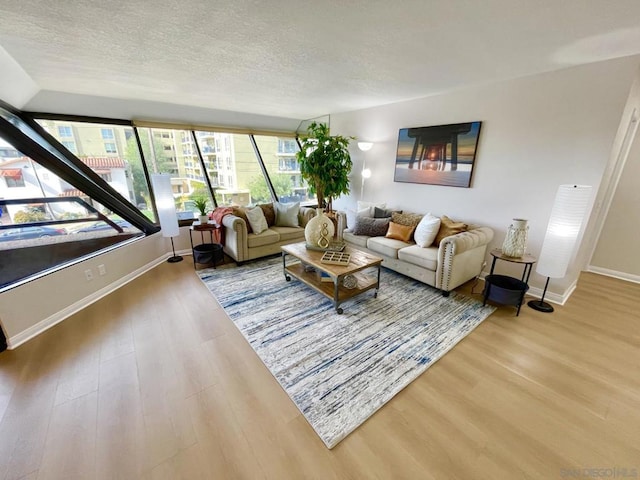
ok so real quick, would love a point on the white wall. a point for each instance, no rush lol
(31, 308)
(616, 252)
(538, 132)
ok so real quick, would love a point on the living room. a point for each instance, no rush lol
(539, 131)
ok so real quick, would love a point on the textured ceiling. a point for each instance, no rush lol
(304, 59)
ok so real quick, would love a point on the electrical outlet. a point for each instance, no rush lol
(102, 270)
(88, 274)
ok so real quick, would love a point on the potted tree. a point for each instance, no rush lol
(325, 164)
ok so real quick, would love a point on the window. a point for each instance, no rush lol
(187, 176)
(232, 165)
(106, 176)
(71, 146)
(64, 131)
(278, 155)
(62, 212)
(287, 146)
(12, 176)
(107, 133)
(125, 172)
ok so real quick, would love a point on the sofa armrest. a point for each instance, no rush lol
(235, 238)
(461, 242)
(306, 214)
(460, 257)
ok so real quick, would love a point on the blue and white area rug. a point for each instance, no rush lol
(340, 369)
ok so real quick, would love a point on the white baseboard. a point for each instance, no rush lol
(557, 298)
(38, 328)
(629, 277)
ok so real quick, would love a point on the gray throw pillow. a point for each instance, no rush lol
(287, 214)
(371, 227)
(384, 212)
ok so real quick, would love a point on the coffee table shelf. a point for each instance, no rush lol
(333, 290)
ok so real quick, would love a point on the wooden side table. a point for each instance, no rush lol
(507, 290)
(526, 260)
(206, 250)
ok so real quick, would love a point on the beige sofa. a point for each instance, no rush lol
(242, 246)
(458, 259)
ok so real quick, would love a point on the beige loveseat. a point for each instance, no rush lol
(242, 246)
(458, 259)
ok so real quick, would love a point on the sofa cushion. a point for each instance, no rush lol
(411, 219)
(289, 233)
(359, 240)
(267, 237)
(400, 232)
(372, 227)
(256, 219)
(241, 212)
(287, 214)
(449, 227)
(427, 230)
(417, 255)
(269, 213)
(384, 212)
(386, 246)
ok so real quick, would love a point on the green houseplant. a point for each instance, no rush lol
(201, 204)
(325, 164)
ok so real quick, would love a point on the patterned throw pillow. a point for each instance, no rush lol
(410, 219)
(256, 220)
(371, 227)
(400, 232)
(287, 214)
(449, 227)
(240, 212)
(269, 213)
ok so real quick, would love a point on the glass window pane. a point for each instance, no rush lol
(122, 171)
(31, 194)
(233, 168)
(279, 157)
(173, 152)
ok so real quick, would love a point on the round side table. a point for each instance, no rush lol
(504, 289)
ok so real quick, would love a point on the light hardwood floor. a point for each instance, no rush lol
(155, 382)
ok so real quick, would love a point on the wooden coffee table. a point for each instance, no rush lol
(333, 289)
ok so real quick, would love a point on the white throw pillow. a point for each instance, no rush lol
(363, 209)
(370, 205)
(257, 220)
(426, 230)
(286, 214)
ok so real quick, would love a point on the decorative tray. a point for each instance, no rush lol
(333, 247)
(336, 258)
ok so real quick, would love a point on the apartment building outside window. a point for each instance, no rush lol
(107, 133)
(70, 145)
(64, 131)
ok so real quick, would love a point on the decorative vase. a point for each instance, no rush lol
(515, 242)
(319, 230)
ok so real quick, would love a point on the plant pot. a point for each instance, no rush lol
(203, 219)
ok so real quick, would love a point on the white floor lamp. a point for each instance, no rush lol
(166, 206)
(559, 242)
(365, 173)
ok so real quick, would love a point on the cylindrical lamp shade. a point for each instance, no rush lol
(563, 229)
(165, 204)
